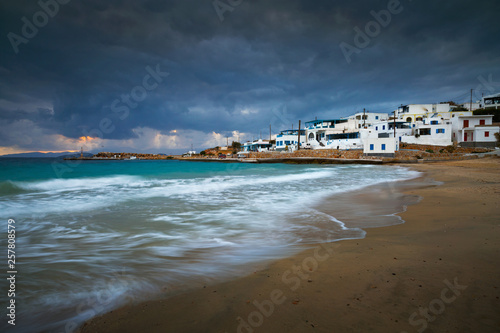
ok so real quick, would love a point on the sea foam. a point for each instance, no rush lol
(162, 225)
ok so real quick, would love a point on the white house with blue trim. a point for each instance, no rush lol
(365, 119)
(431, 131)
(332, 133)
(382, 147)
(257, 146)
(351, 133)
(288, 140)
(380, 139)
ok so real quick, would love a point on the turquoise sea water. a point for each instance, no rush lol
(93, 235)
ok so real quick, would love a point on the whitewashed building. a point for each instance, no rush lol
(430, 131)
(320, 132)
(468, 105)
(385, 129)
(189, 153)
(383, 147)
(417, 112)
(425, 124)
(365, 119)
(475, 131)
(343, 133)
(491, 101)
(380, 139)
(288, 140)
(351, 132)
(257, 146)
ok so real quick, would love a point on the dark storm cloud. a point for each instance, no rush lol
(234, 74)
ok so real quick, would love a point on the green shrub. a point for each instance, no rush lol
(429, 151)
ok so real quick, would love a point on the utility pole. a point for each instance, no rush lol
(270, 135)
(470, 109)
(364, 117)
(394, 124)
(298, 145)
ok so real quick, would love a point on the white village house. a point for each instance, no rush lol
(342, 133)
(491, 101)
(288, 140)
(417, 112)
(257, 146)
(378, 134)
(475, 131)
(443, 128)
(430, 131)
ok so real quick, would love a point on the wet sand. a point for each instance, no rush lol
(438, 272)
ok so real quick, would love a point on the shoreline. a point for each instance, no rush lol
(378, 282)
(297, 160)
(408, 154)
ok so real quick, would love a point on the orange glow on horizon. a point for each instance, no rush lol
(86, 138)
(9, 151)
(60, 151)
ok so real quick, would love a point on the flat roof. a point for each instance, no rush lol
(325, 120)
(492, 96)
(476, 116)
(294, 130)
(257, 143)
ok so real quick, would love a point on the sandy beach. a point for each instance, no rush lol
(438, 272)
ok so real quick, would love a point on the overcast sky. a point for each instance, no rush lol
(161, 75)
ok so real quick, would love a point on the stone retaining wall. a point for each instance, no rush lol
(410, 152)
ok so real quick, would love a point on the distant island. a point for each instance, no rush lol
(38, 154)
